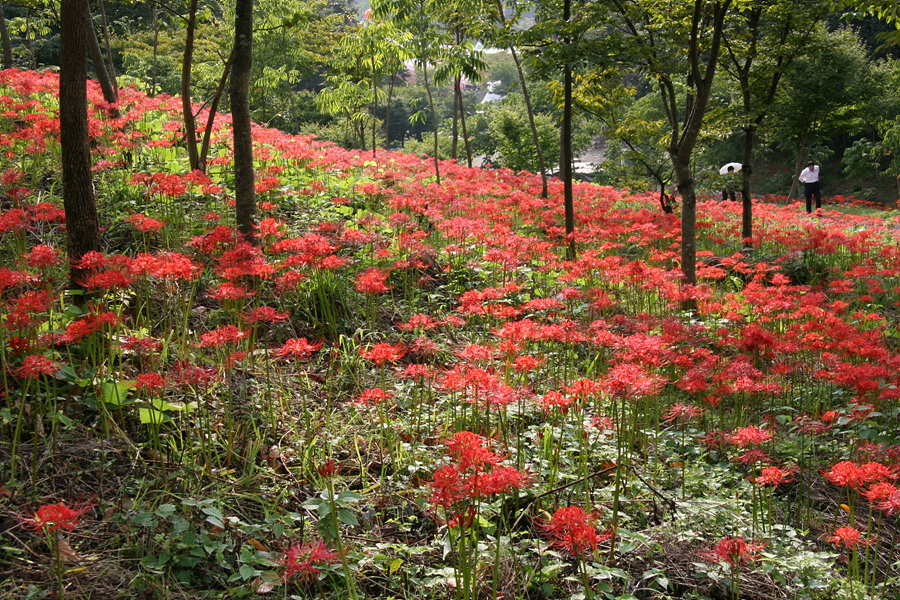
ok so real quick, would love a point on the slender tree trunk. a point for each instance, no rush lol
(112, 67)
(437, 168)
(565, 149)
(82, 225)
(109, 93)
(244, 188)
(746, 197)
(374, 107)
(5, 41)
(465, 133)
(798, 166)
(685, 183)
(387, 118)
(565, 162)
(454, 145)
(190, 128)
(155, 47)
(213, 108)
(528, 108)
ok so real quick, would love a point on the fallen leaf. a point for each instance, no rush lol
(263, 587)
(66, 553)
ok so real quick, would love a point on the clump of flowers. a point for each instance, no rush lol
(50, 519)
(573, 530)
(735, 551)
(303, 562)
(458, 490)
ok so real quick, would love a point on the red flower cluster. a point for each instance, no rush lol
(848, 537)
(475, 475)
(734, 551)
(571, 529)
(303, 561)
(51, 517)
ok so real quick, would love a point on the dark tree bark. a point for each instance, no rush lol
(82, 226)
(190, 128)
(244, 190)
(154, 16)
(528, 109)
(565, 149)
(109, 92)
(109, 56)
(684, 136)
(213, 109)
(5, 41)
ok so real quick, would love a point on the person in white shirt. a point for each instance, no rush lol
(810, 179)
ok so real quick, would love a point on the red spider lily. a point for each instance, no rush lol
(603, 423)
(734, 551)
(89, 324)
(571, 529)
(222, 335)
(880, 492)
(749, 436)
(418, 321)
(476, 475)
(303, 561)
(151, 382)
(147, 345)
(52, 517)
(891, 504)
(527, 363)
(632, 381)
(187, 374)
(847, 474)
(297, 348)
(230, 291)
(682, 412)
(42, 257)
(584, 389)
(329, 468)
(848, 537)
(416, 371)
(265, 314)
(772, 476)
(372, 281)
(753, 457)
(145, 224)
(382, 353)
(373, 396)
(35, 365)
(553, 399)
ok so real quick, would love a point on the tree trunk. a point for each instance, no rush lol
(112, 67)
(374, 107)
(437, 168)
(213, 108)
(155, 47)
(387, 117)
(528, 109)
(454, 144)
(465, 132)
(82, 226)
(4, 40)
(190, 129)
(746, 173)
(565, 150)
(109, 94)
(685, 183)
(798, 166)
(244, 188)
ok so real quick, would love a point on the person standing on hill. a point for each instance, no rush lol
(728, 190)
(810, 179)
